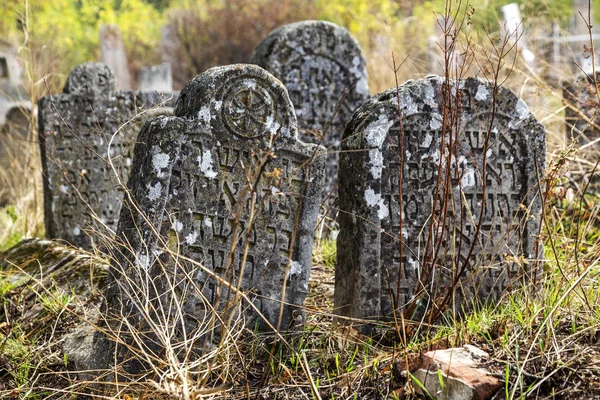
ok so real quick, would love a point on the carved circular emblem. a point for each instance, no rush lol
(249, 108)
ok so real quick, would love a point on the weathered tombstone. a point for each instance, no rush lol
(469, 199)
(582, 126)
(227, 184)
(317, 61)
(156, 77)
(112, 53)
(81, 131)
(581, 117)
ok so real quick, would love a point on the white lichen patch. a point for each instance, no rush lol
(204, 114)
(376, 163)
(295, 268)
(468, 179)
(521, 109)
(177, 226)
(375, 200)
(408, 155)
(207, 222)
(436, 121)
(154, 191)
(412, 264)
(429, 96)
(409, 107)
(191, 238)
(482, 93)
(251, 84)
(64, 188)
(427, 140)
(376, 131)
(160, 161)
(217, 105)
(205, 163)
(272, 125)
(142, 260)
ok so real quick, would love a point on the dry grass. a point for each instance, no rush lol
(543, 346)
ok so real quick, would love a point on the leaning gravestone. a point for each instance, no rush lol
(317, 61)
(227, 184)
(80, 131)
(469, 198)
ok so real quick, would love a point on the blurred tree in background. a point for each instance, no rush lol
(59, 34)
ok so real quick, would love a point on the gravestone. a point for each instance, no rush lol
(469, 198)
(156, 78)
(227, 184)
(317, 61)
(582, 127)
(581, 99)
(112, 53)
(80, 131)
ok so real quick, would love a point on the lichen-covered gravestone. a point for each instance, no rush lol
(81, 131)
(317, 61)
(227, 184)
(469, 200)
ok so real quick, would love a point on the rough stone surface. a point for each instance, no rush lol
(156, 77)
(190, 180)
(112, 53)
(438, 227)
(462, 375)
(80, 130)
(317, 61)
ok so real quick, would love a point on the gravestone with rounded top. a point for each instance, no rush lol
(227, 187)
(440, 200)
(86, 136)
(324, 71)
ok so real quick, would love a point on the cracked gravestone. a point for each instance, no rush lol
(223, 192)
(82, 131)
(469, 200)
(317, 61)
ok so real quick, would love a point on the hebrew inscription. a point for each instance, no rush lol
(225, 183)
(87, 135)
(448, 207)
(324, 71)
